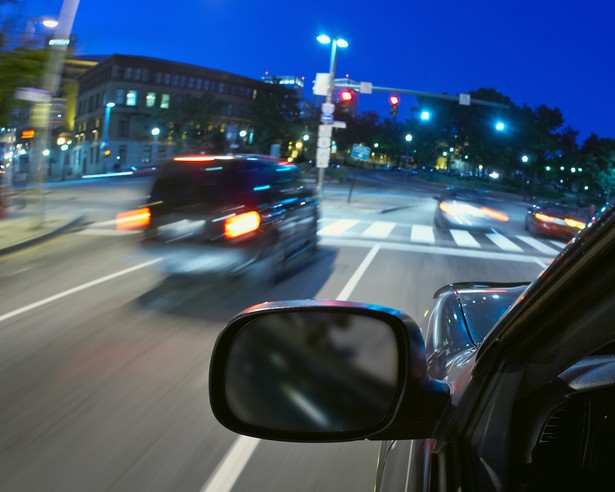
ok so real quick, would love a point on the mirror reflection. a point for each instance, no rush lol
(312, 372)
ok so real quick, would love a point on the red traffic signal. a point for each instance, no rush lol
(346, 96)
(394, 100)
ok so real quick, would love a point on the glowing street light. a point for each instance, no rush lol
(408, 138)
(425, 115)
(243, 134)
(499, 126)
(155, 133)
(525, 159)
(306, 137)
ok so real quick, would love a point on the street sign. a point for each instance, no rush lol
(464, 99)
(321, 84)
(324, 142)
(328, 108)
(325, 131)
(32, 95)
(326, 118)
(365, 87)
(322, 157)
(360, 152)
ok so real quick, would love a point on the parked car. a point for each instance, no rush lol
(227, 215)
(463, 208)
(554, 219)
(514, 388)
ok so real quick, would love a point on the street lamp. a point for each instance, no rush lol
(155, 133)
(408, 138)
(105, 136)
(499, 126)
(335, 43)
(525, 159)
(425, 115)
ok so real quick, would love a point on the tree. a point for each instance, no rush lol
(275, 116)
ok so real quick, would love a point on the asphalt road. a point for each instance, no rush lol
(104, 361)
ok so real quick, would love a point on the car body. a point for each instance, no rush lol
(229, 214)
(506, 387)
(463, 208)
(556, 220)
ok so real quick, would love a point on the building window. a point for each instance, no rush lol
(147, 153)
(162, 152)
(182, 81)
(97, 154)
(221, 87)
(158, 78)
(123, 128)
(127, 73)
(190, 82)
(97, 103)
(122, 151)
(199, 84)
(150, 99)
(175, 80)
(167, 78)
(206, 85)
(131, 98)
(120, 94)
(229, 109)
(164, 101)
(137, 75)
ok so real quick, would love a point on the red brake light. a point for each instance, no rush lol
(133, 219)
(241, 224)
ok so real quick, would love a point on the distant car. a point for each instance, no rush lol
(550, 219)
(228, 215)
(462, 208)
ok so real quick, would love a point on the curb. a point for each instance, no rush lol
(58, 231)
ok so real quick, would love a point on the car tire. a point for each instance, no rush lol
(313, 242)
(439, 223)
(268, 270)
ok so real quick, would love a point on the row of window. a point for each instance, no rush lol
(188, 82)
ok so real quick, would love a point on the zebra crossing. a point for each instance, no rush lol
(429, 235)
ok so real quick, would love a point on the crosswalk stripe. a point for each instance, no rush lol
(535, 243)
(464, 239)
(503, 242)
(338, 227)
(559, 244)
(379, 230)
(422, 234)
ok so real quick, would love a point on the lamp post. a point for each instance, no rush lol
(524, 159)
(155, 133)
(408, 139)
(105, 136)
(335, 43)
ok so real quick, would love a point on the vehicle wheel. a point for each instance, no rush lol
(439, 223)
(313, 242)
(270, 268)
(531, 228)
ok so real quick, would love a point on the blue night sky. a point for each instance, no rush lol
(556, 52)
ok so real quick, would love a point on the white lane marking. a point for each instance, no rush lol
(228, 470)
(464, 239)
(535, 243)
(105, 232)
(74, 290)
(338, 227)
(354, 280)
(379, 230)
(503, 242)
(409, 465)
(559, 244)
(422, 234)
(434, 250)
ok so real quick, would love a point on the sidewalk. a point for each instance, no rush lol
(19, 228)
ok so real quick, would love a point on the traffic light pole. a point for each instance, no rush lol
(331, 86)
(425, 94)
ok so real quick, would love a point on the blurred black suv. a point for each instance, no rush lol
(229, 215)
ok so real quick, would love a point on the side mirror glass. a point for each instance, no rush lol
(312, 372)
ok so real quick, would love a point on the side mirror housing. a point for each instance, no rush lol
(323, 371)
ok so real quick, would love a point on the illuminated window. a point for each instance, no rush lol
(131, 98)
(164, 101)
(150, 99)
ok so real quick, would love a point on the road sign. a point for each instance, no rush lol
(321, 84)
(365, 87)
(32, 95)
(328, 108)
(324, 142)
(322, 157)
(325, 131)
(326, 118)
(464, 99)
(360, 152)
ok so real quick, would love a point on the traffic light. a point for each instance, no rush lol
(394, 101)
(346, 98)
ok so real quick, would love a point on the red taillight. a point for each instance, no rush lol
(133, 219)
(241, 224)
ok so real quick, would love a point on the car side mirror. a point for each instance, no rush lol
(321, 371)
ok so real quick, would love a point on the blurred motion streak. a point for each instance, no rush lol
(241, 224)
(133, 219)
